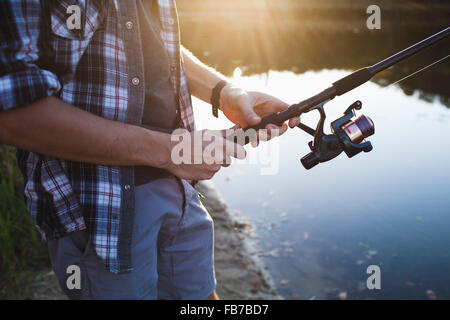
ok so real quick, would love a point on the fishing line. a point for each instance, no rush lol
(430, 65)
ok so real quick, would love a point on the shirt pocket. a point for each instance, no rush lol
(69, 43)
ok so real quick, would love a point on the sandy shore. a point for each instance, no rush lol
(239, 275)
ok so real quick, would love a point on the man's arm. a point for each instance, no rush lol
(239, 106)
(55, 128)
(201, 78)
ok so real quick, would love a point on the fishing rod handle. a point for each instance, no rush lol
(279, 118)
(245, 135)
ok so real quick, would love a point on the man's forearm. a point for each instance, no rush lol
(55, 128)
(201, 78)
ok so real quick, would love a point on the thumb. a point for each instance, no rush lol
(250, 117)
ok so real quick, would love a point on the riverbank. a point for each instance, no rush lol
(239, 275)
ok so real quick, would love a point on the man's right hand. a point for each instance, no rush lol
(199, 155)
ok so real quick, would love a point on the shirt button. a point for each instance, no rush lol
(129, 25)
(171, 21)
(173, 69)
(127, 187)
(135, 81)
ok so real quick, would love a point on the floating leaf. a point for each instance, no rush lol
(364, 245)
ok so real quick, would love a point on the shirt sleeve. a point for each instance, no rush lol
(22, 81)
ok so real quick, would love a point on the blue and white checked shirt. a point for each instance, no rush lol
(98, 68)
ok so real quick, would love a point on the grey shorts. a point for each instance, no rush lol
(172, 250)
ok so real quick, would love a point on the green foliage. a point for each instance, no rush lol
(21, 252)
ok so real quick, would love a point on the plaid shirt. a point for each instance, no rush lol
(97, 68)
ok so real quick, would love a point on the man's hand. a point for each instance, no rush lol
(199, 155)
(248, 107)
(242, 107)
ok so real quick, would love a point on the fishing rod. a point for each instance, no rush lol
(347, 134)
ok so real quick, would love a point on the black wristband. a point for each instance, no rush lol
(215, 97)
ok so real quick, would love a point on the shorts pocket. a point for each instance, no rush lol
(82, 240)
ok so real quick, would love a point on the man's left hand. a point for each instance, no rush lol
(246, 108)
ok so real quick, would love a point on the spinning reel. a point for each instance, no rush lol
(347, 135)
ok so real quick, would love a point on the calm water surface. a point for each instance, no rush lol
(318, 230)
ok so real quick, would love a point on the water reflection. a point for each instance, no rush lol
(261, 44)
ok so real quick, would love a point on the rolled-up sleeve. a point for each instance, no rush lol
(22, 81)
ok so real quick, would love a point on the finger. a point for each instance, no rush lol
(284, 128)
(275, 131)
(255, 143)
(293, 122)
(263, 134)
(278, 131)
(227, 162)
(234, 150)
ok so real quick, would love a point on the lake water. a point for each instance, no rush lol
(318, 230)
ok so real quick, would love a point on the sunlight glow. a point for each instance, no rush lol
(237, 74)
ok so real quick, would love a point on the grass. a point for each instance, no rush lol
(21, 252)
